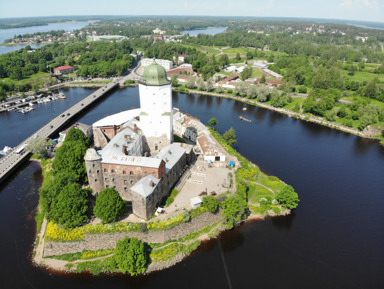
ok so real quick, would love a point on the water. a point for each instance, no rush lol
(333, 240)
(209, 31)
(10, 33)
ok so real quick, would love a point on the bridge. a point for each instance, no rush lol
(10, 162)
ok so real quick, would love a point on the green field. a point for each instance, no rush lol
(361, 76)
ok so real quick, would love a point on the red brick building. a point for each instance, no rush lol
(63, 69)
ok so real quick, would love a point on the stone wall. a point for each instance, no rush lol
(108, 241)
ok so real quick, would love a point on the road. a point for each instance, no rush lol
(13, 159)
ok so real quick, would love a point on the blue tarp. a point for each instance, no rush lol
(232, 164)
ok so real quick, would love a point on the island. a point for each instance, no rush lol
(148, 187)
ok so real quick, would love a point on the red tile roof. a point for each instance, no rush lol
(65, 67)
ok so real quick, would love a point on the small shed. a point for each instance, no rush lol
(196, 202)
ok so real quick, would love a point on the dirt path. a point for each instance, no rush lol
(269, 189)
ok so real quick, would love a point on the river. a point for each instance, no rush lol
(209, 31)
(333, 240)
(10, 33)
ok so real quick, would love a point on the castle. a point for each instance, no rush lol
(138, 157)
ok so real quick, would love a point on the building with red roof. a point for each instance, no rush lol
(63, 69)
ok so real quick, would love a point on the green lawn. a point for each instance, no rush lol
(361, 76)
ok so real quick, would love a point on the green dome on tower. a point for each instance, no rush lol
(155, 74)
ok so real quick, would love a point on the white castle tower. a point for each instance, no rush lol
(156, 117)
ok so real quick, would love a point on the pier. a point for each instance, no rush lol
(10, 162)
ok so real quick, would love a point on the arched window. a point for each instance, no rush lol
(125, 189)
(95, 180)
(105, 171)
(131, 173)
(132, 182)
(124, 172)
(112, 171)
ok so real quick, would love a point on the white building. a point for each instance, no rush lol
(167, 64)
(156, 112)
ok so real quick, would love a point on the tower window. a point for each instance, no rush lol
(95, 180)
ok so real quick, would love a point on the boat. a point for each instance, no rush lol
(11, 108)
(30, 104)
(244, 108)
(6, 150)
(61, 96)
(243, 118)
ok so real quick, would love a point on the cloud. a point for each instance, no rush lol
(356, 4)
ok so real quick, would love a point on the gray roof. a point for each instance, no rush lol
(92, 155)
(143, 186)
(171, 154)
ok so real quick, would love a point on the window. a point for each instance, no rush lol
(131, 173)
(114, 187)
(97, 171)
(106, 179)
(113, 180)
(95, 180)
(90, 171)
(125, 189)
(105, 171)
(124, 172)
(93, 165)
(107, 186)
(125, 181)
(132, 182)
(112, 171)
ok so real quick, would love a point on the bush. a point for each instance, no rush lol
(131, 256)
(276, 210)
(210, 203)
(109, 206)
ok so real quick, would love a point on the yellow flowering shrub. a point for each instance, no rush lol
(165, 223)
(56, 233)
(166, 253)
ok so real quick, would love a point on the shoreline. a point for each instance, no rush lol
(290, 113)
(189, 235)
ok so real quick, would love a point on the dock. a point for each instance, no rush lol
(10, 162)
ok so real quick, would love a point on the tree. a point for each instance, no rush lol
(39, 146)
(70, 158)
(210, 84)
(200, 84)
(51, 190)
(263, 93)
(246, 73)
(223, 60)
(249, 55)
(241, 88)
(131, 256)
(234, 210)
(213, 122)
(230, 137)
(238, 56)
(190, 82)
(288, 198)
(109, 205)
(174, 79)
(76, 135)
(71, 208)
(262, 79)
(210, 202)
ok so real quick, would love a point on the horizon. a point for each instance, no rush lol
(342, 10)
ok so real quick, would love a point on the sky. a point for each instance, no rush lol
(365, 10)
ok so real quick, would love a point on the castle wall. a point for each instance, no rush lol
(122, 177)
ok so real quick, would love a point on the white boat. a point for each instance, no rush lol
(31, 104)
(6, 150)
(11, 108)
(61, 96)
